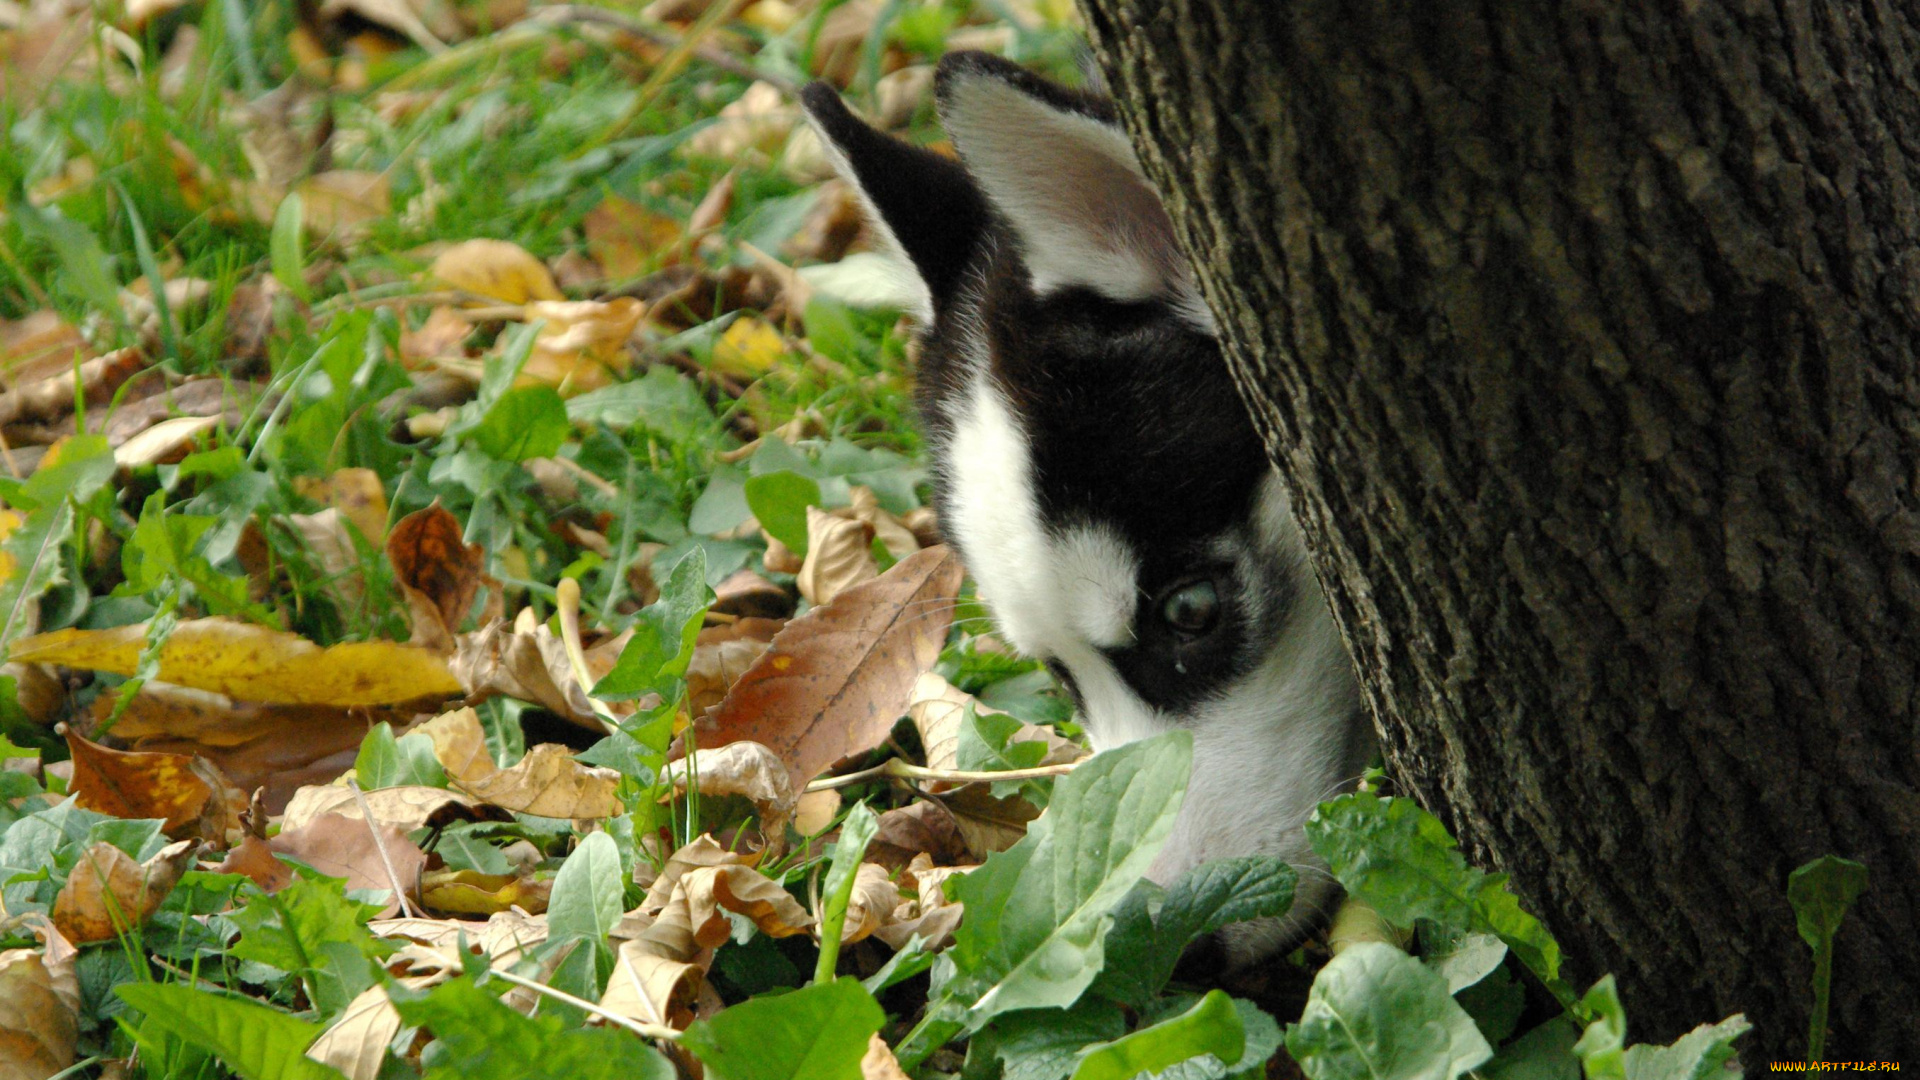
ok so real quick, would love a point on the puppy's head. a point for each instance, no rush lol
(1096, 468)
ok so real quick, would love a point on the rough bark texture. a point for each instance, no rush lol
(1585, 335)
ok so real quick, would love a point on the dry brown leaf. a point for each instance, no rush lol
(987, 823)
(39, 345)
(704, 851)
(504, 937)
(188, 793)
(939, 709)
(837, 677)
(879, 1063)
(39, 1015)
(628, 239)
(752, 599)
(108, 893)
(529, 662)
(470, 892)
(721, 655)
(650, 988)
(438, 571)
(547, 782)
(497, 269)
(816, 812)
(871, 905)
(406, 808)
(340, 846)
(440, 337)
(343, 202)
(743, 891)
(359, 496)
(892, 532)
(356, 1042)
(255, 663)
(743, 768)
(922, 828)
(760, 119)
(430, 24)
(582, 344)
(52, 396)
(254, 857)
(275, 747)
(935, 927)
(165, 443)
(839, 556)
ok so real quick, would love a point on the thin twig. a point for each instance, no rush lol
(638, 1027)
(897, 769)
(373, 829)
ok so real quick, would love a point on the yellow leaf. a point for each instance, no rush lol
(254, 663)
(497, 269)
(748, 349)
(628, 239)
(343, 201)
(582, 343)
(547, 782)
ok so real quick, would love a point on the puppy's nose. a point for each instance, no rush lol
(1203, 961)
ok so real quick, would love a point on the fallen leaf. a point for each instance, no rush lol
(547, 782)
(108, 893)
(429, 24)
(702, 852)
(357, 493)
(164, 443)
(440, 337)
(650, 988)
(939, 709)
(582, 344)
(721, 654)
(759, 119)
(871, 905)
(254, 857)
(816, 811)
(504, 938)
(925, 828)
(52, 396)
(747, 349)
(470, 892)
(340, 204)
(438, 571)
(187, 793)
(838, 677)
(935, 928)
(497, 269)
(879, 1063)
(39, 1015)
(628, 239)
(340, 846)
(750, 597)
(531, 664)
(987, 823)
(407, 807)
(355, 1043)
(255, 663)
(839, 556)
(746, 769)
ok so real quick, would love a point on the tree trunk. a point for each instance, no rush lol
(1584, 333)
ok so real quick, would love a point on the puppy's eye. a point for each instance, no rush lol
(1192, 608)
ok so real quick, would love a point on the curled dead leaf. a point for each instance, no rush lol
(470, 892)
(188, 793)
(255, 663)
(878, 1063)
(355, 1043)
(438, 571)
(525, 660)
(872, 903)
(497, 269)
(582, 344)
(547, 782)
(721, 655)
(836, 678)
(650, 988)
(939, 709)
(407, 807)
(839, 556)
(340, 846)
(743, 768)
(39, 1014)
(108, 893)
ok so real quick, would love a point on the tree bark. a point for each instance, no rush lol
(1584, 334)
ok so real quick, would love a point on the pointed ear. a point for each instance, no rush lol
(923, 207)
(1057, 166)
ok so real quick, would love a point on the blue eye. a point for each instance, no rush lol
(1192, 608)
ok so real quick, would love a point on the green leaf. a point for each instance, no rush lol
(31, 565)
(722, 507)
(1495, 1003)
(1144, 945)
(779, 501)
(82, 465)
(83, 262)
(1211, 1027)
(1378, 1013)
(848, 850)
(1821, 892)
(384, 761)
(286, 247)
(312, 929)
(1602, 1046)
(655, 658)
(481, 1039)
(1700, 1054)
(1463, 959)
(1045, 1044)
(816, 1033)
(257, 1042)
(1498, 912)
(663, 399)
(1037, 913)
(527, 422)
(588, 891)
(830, 330)
(1545, 1053)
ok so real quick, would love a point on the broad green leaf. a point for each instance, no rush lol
(385, 761)
(1700, 1054)
(1602, 1046)
(1545, 1053)
(257, 1042)
(1396, 857)
(481, 1039)
(1376, 1012)
(855, 832)
(1821, 892)
(286, 246)
(779, 501)
(819, 1032)
(830, 330)
(588, 891)
(311, 929)
(663, 399)
(1210, 1027)
(1495, 1002)
(83, 262)
(722, 507)
(527, 422)
(1045, 1044)
(1463, 959)
(1037, 912)
(75, 469)
(663, 638)
(1498, 912)
(30, 564)
(1145, 944)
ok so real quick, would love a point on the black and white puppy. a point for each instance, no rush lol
(1096, 469)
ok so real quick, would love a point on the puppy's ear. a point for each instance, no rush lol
(1057, 166)
(923, 207)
